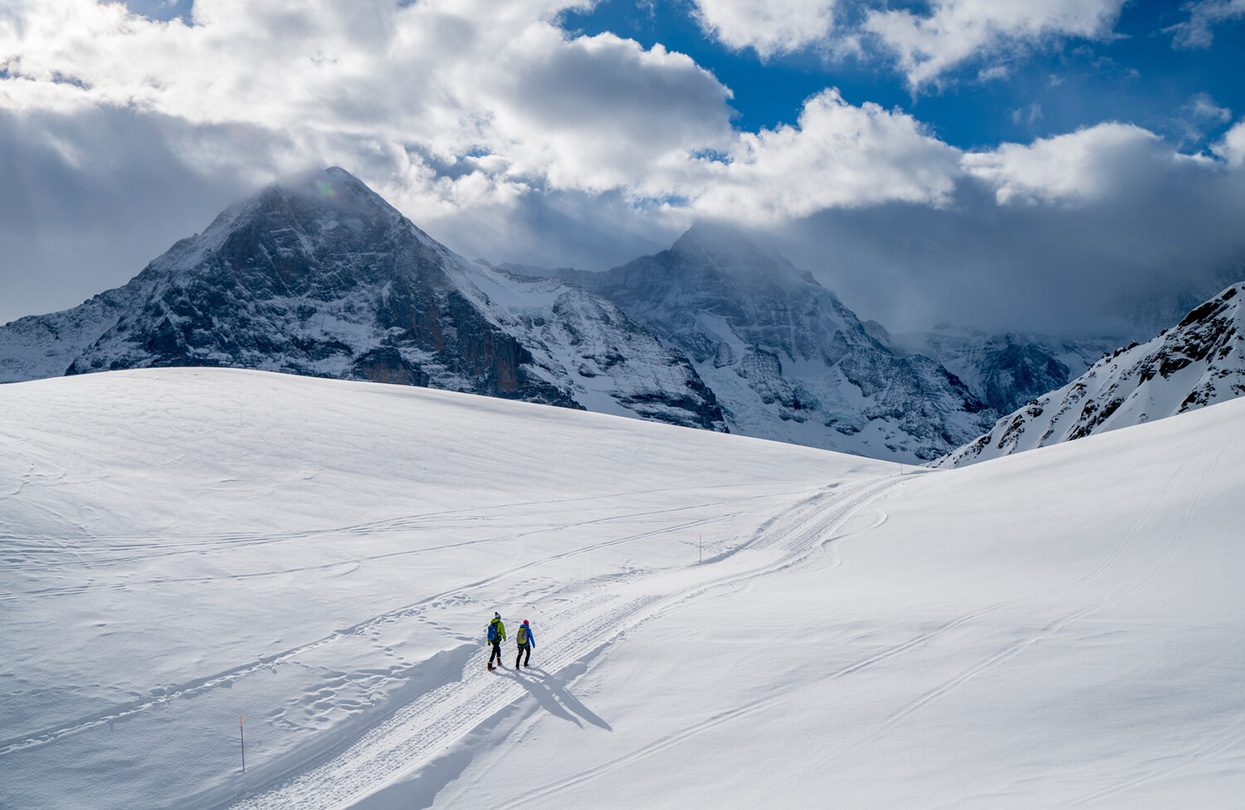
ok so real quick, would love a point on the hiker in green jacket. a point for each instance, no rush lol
(496, 635)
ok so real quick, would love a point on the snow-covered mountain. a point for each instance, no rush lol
(586, 346)
(1198, 362)
(785, 357)
(320, 276)
(1008, 370)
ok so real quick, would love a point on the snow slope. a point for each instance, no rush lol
(180, 547)
(183, 546)
(1198, 362)
(1059, 629)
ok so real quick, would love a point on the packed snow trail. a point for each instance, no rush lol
(425, 728)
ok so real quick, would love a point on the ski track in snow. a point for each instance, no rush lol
(198, 686)
(425, 728)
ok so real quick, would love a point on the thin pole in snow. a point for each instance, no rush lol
(242, 740)
(700, 547)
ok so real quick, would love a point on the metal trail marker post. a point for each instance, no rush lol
(242, 740)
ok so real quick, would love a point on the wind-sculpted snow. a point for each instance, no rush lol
(1197, 363)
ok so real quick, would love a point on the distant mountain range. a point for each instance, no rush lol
(318, 275)
(1198, 362)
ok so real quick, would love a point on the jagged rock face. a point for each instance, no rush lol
(320, 276)
(1197, 363)
(1017, 371)
(784, 356)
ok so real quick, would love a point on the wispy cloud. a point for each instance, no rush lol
(1204, 15)
(954, 31)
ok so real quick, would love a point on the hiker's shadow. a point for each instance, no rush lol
(551, 692)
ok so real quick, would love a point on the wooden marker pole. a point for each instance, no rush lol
(242, 740)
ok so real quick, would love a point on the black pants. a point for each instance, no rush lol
(496, 653)
(523, 648)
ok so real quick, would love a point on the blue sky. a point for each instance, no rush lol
(963, 160)
(1136, 77)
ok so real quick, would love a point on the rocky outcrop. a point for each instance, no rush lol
(1197, 363)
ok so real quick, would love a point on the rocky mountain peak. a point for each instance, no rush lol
(328, 204)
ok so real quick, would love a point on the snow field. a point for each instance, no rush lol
(207, 544)
(1059, 628)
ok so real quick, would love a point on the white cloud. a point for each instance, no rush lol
(600, 113)
(510, 138)
(454, 104)
(1232, 147)
(450, 77)
(1204, 15)
(769, 27)
(1087, 165)
(838, 155)
(1050, 234)
(955, 31)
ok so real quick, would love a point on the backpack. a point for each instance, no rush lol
(521, 638)
(492, 632)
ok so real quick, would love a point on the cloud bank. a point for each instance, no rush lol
(509, 138)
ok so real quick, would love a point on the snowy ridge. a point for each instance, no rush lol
(588, 347)
(1197, 363)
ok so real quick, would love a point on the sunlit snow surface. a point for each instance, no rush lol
(182, 547)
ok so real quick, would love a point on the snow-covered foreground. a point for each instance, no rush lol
(181, 547)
